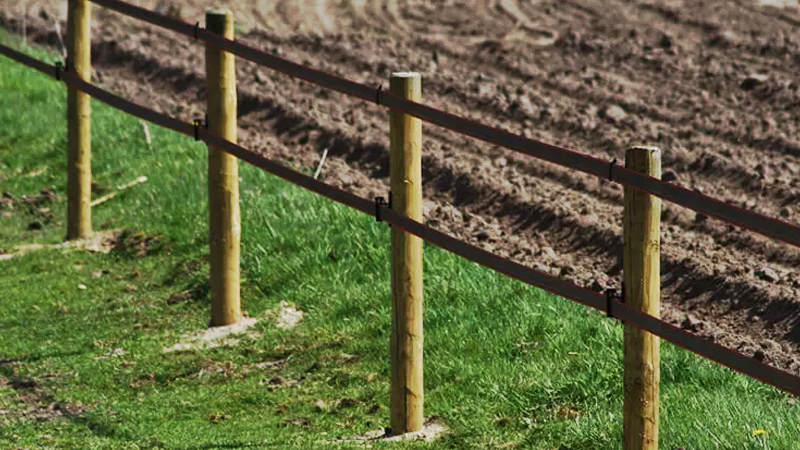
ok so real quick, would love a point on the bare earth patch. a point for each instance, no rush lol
(215, 336)
(31, 403)
(434, 428)
(288, 316)
(100, 241)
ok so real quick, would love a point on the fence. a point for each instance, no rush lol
(637, 307)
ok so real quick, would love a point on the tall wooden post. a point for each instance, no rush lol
(223, 176)
(406, 198)
(79, 125)
(643, 293)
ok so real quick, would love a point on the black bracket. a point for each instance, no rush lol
(611, 295)
(199, 123)
(378, 95)
(611, 169)
(380, 202)
(59, 70)
(196, 29)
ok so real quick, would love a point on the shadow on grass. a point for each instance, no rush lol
(109, 431)
(230, 445)
(4, 362)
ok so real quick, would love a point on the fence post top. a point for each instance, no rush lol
(219, 12)
(645, 148)
(218, 18)
(406, 75)
(220, 21)
(644, 159)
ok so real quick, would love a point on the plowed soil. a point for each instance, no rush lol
(712, 83)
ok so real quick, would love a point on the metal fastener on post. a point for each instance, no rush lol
(611, 295)
(380, 202)
(198, 125)
(59, 70)
(611, 169)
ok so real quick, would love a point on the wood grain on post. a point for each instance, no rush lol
(223, 176)
(406, 198)
(79, 125)
(642, 271)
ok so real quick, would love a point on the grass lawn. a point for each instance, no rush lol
(82, 334)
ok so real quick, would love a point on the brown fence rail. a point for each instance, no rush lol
(637, 181)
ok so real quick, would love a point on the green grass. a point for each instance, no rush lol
(506, 366)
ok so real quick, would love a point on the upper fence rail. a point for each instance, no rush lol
(770, 375)
(709, 206)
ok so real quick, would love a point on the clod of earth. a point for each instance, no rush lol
(753, 81)
(271, 364)
(217, 418)
(277, 382)
(301, 422)
(136, 244)
(100, 241)
(45, 196)
(117, 352)
(768, 274)
(346, 402)
(691, 323)
(614, 113)
(669, 175)
(567, 412)
(288, 316)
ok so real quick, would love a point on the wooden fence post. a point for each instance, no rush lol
(406, 198)
(79, 124)
(642, 292)
(223, 176)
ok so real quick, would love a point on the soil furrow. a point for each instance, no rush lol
(713, 170)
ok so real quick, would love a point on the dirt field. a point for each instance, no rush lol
(712, 83)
